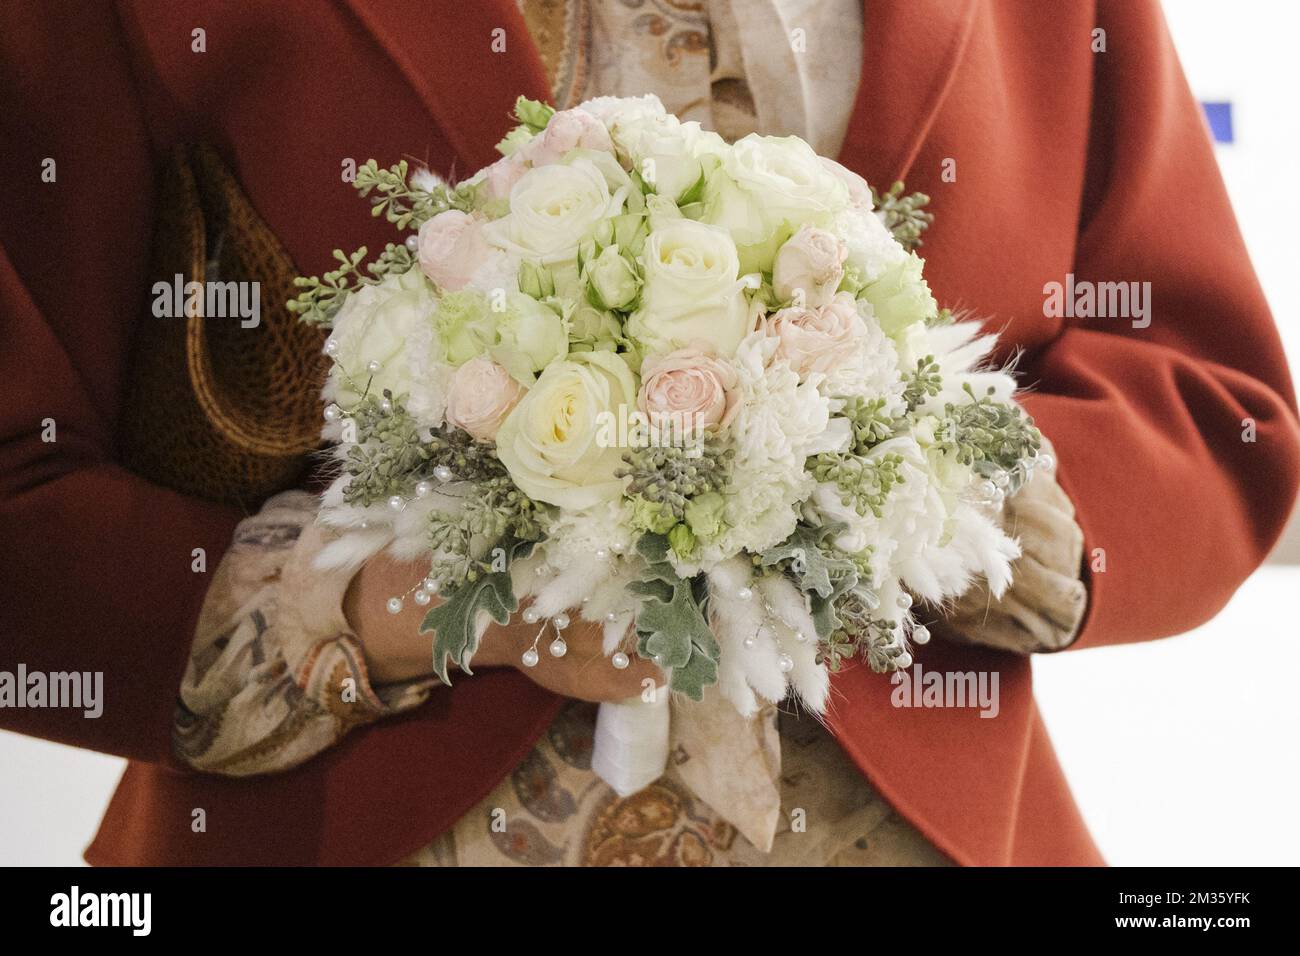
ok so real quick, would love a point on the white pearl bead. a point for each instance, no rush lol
(372, 367)
(745, 593)
(396, 502)
(431, 585)
(561, 621)
(332, 413)
(422, 489)
(1001, 480)
(394, 605)
(904, 661)
(1045, 461)
(530, 658)
(331, 346)
(620, 661)
(611, 617)
(413, 242)
(385, 406)
(531, 616)
(618, 547)
(801, 637)
(601, 554)
(921, 634)
(786, 663)
(559, 648)
(442, 473)
(749, 641)
(904, 600)
(422, 597)
(985, 489)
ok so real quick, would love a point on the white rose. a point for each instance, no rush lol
(692, 295)
(551, 443)
(613, 109)
(768, 186)
(372, 330)
(552, 210)
(666, 152)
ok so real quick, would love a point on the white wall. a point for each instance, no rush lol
(1175, 756)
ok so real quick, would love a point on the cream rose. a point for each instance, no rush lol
(666, 152)
(452, 248)
(687, 391)
(810, 266)
(482, 395)
(692, 295)
(550, 442)
(374, 335)
(552, 210)
(766, 185)
(817, 340)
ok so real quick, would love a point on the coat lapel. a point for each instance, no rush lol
(911, 52)
(452, 57)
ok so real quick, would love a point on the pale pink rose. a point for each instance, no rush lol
(687, 390)
(812, 260)
(817, 340)
(482, 395)
(501, 176)
(567, 130)
(859, 191)
(452, 248)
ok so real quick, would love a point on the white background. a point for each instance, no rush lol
(1180, 751)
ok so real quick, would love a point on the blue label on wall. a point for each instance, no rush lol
(1219, 116)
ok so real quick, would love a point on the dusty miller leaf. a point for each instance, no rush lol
(453, 621)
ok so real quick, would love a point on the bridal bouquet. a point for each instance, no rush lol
(699, 393)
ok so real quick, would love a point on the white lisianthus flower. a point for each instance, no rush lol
(692, 294)
(901, 296)
(529, 337)
(765, 188)
(552, 210)
(553, 442)
(377, 325)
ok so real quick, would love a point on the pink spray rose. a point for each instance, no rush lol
(811, 260)
(452, 248)
(687, 390)
(568, 129)
(817, 340)
(482, 395)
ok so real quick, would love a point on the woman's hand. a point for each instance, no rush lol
(397, 651)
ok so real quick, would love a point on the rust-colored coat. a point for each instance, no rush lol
(1067, 161)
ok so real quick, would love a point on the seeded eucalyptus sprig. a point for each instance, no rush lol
(870, 424)
(903, 215)
(670, 475)
(985, 431)
(864, 483)
(924, 383)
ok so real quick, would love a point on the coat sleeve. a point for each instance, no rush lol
(1178, 442)
(95, 563)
